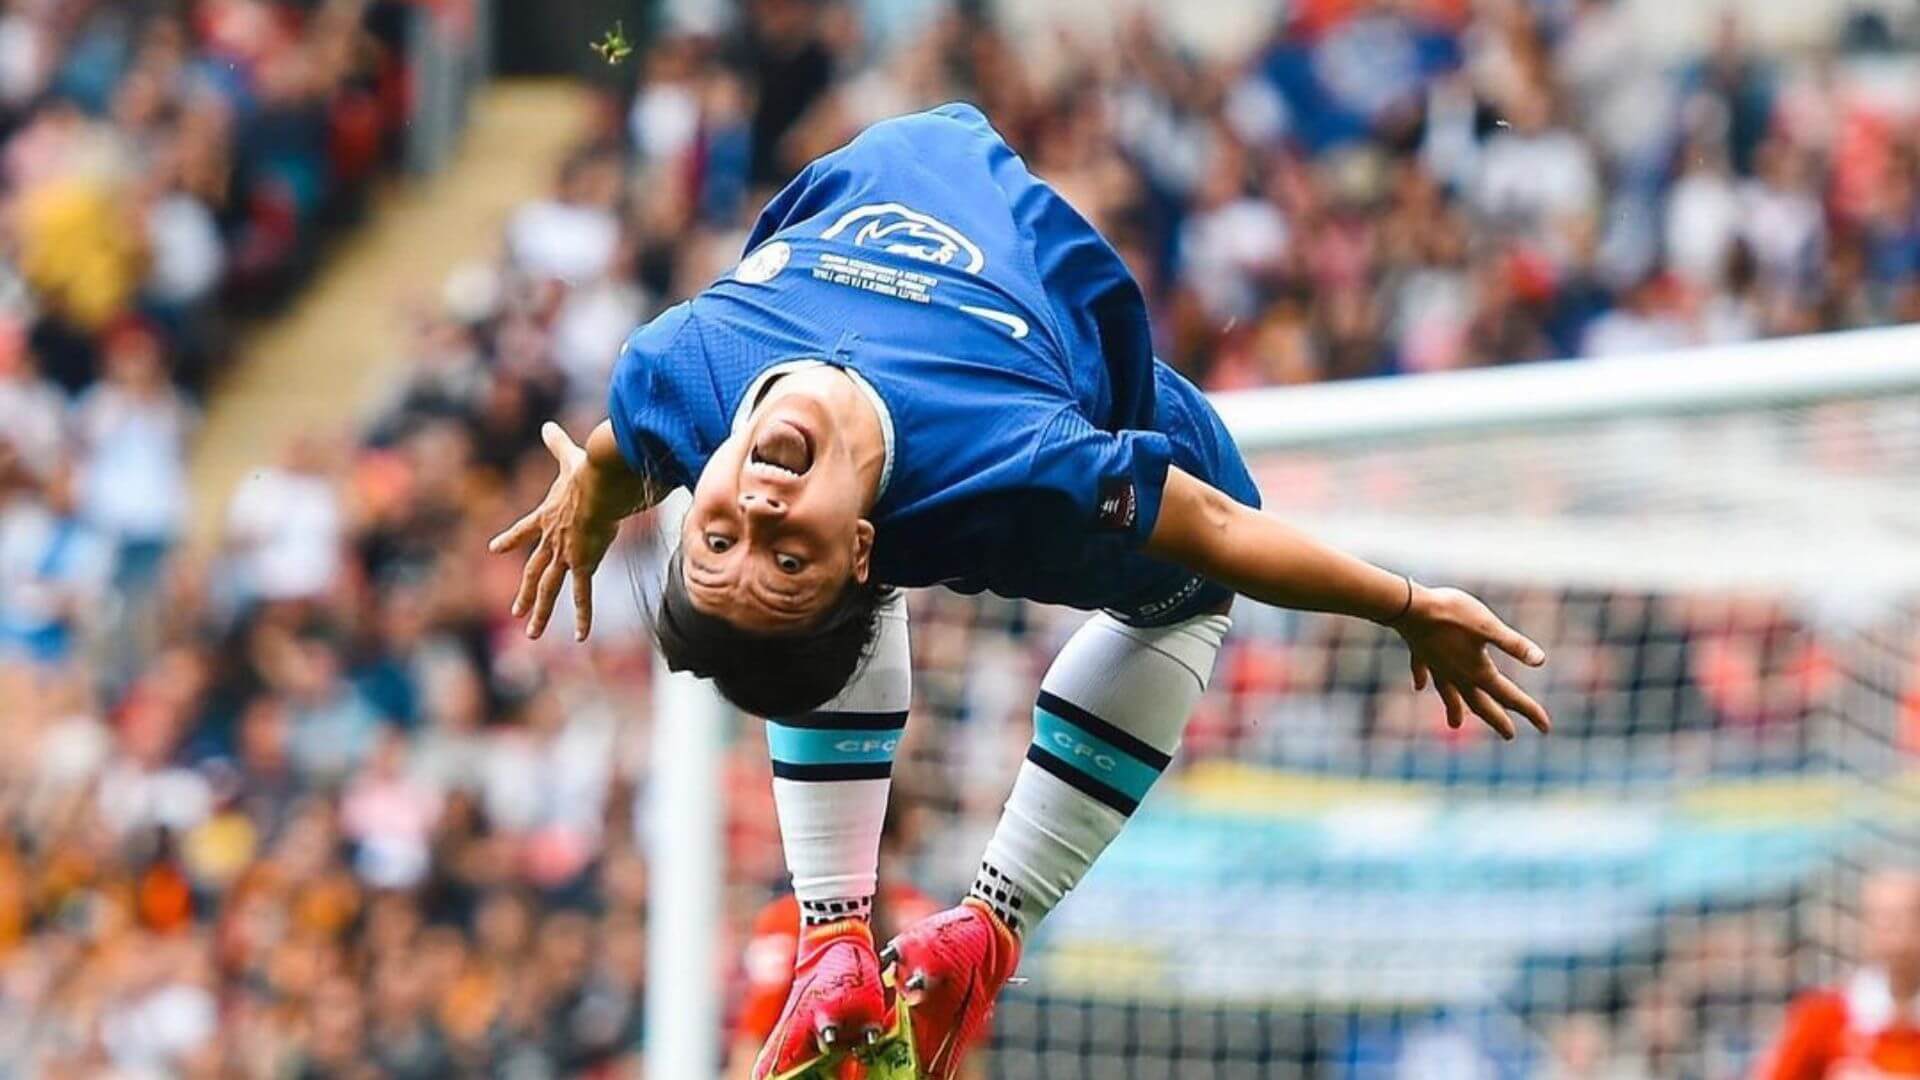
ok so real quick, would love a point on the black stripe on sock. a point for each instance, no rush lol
(823, 912)
(849, 721)
(1081, 782)
(858, 770)
(1093, 725)
(1000, 894)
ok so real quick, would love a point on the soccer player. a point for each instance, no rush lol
(929, 370)
(1867, 1028)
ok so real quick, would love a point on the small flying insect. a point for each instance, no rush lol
(613, 46)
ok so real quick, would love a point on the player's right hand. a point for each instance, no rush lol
(571, 530)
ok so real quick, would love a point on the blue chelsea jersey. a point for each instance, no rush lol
(1005, 343)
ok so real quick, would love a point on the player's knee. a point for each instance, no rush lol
(1126, 658)
(1114, 703)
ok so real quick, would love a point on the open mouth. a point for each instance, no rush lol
(781, 450)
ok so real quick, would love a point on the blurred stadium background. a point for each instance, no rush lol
(287, 286)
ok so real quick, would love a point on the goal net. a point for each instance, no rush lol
(1721, 554)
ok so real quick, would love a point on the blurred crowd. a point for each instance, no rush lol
(162, 158)
(162, 167)
(310, 804)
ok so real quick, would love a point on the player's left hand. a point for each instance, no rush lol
(572, 530)
(1450, 634)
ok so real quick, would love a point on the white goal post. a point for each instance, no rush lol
(1705, 380)
(684, 813)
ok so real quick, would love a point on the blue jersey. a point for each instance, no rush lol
(1008, 350)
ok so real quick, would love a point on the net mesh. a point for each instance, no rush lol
(1332, 884)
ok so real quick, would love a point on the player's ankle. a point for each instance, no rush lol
(851, 927)
(1007, 928)
(821, 918)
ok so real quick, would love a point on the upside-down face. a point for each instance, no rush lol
(776, 531)
(1890, 922)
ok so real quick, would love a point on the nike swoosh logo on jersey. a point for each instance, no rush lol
(1015, 325)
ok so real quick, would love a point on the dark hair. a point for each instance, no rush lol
(768, 675)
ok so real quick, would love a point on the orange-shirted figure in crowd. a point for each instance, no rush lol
(1868, 1027)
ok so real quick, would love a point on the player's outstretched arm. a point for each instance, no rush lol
(1447, 631)
(573, 526)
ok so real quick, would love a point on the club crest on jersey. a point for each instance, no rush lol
(896, 229)
(766, 261)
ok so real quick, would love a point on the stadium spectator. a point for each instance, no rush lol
(573, 236)
(132, 429)
(162, 159)
(285, 525)
(31, 407)
(54, 568)
(1869, 1025)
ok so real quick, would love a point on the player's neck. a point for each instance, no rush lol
(867, 437)
(856, 421)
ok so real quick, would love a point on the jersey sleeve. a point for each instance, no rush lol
(1112, 481)
(640, 400)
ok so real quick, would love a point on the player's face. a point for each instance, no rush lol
(1890, 918)
(775, 531)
